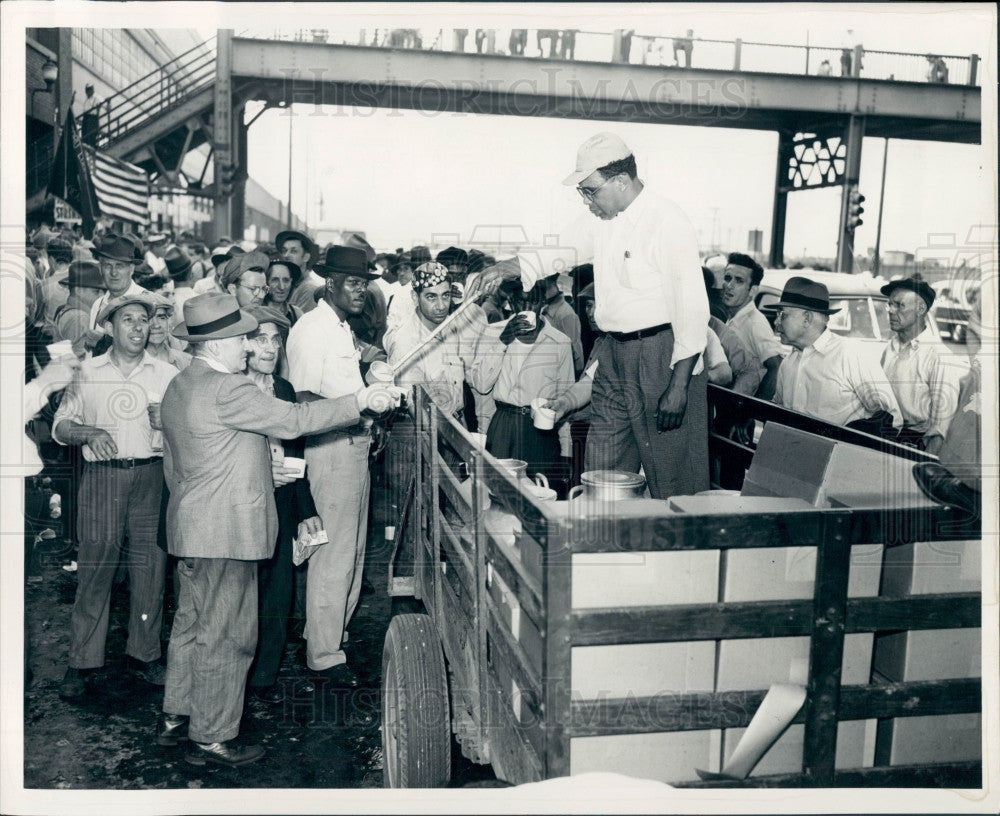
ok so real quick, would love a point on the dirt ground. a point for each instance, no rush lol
(316, 738)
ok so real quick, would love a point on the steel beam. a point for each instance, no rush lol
(484, 83)
(776, 258)
(222, 130)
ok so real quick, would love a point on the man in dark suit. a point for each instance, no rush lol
(221, 519)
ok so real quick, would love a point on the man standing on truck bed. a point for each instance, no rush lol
(923, 374)
(649, 398)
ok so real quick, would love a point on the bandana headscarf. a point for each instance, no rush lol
(429, 274)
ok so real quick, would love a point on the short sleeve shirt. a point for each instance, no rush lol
(322, 355)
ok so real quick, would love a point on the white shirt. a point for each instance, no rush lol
(759, 339)
(155, 262)
(834, 380)
(519, 372)
(925, 378)
(101, 396)
(441, 365)
(322, 356)
(647, 270)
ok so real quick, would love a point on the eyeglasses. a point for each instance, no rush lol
(589, 192)
(263, 340)
(257, 290)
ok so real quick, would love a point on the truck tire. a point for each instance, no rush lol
(416, 730)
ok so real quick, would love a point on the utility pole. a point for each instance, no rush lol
(877, 262)
(291, 118)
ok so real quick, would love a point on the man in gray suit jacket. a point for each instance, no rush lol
(221, 519)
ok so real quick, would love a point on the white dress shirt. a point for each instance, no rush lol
(322, 355)
(441, 365)
(759, 340)
(647, 270)
(95, 309)
(834, 380)
(925, 378)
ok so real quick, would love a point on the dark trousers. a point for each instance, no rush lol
(275, 582)
(512, 435)
(211, 645)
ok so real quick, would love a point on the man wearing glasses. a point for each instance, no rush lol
(245, 278)
(649, 396)
(324, 362)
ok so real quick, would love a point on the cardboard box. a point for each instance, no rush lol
(793, 463)
(663, 757)
(933, 654)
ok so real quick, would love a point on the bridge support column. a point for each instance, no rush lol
(853, 137)
(222, 134)
(776, 257)
(237, 203)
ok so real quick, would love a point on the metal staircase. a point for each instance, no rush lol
(157, 119)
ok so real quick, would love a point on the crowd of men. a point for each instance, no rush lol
(199, 377)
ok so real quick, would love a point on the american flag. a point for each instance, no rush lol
(122, 188)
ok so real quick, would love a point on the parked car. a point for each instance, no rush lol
(952, 306)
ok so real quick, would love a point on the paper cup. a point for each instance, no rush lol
(544, 418)
(296, 464)
(380, 372)
(60, 349)
(531, 317)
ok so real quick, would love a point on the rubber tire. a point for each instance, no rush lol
(416, 723)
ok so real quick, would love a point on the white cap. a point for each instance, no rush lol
(596, 152)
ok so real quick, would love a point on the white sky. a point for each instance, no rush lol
(448, 173)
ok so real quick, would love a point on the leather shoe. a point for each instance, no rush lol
(340, 676)
(153, 671)
(939, 484)
(72, 685)
(271, 695)
(172, 729)
(223, 753)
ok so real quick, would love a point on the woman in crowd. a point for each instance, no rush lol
(282, 279)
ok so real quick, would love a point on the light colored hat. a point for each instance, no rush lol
(595, 153)
(145, 299)
(213, 316)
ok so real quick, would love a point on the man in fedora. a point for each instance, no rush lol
(298, 248)
(826, 375)
(924, 375)
(221, 518)
(179, 266)
(324, 361)
(85, 284)
(118, 256)
(220, 255)
(650, 406)
(106, 410)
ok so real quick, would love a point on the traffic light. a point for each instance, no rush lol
(854, 209)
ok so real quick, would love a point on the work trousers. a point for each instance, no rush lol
(628, 384)
(115, 503)
(340, 483)
(211, 645)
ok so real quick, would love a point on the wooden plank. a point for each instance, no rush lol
(524, 586)
(449, 485)
(826, 652)
(801, 528)
(460, 589)
(695, 711)
(456, 436)
(557, 654)
(757, 619)
(953, 775)
(509, 652)
(766, 411)
(459, 558)
(512, 744)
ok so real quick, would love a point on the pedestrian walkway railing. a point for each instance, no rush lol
(640, 49)
(156, 93)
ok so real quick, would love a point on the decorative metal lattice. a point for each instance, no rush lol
(816, 160)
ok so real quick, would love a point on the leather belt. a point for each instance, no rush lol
(622, 337)
(514, 409)
(127, 464)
